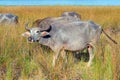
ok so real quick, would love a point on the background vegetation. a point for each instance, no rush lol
(20, 60)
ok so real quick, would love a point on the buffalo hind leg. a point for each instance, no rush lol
(91, 55)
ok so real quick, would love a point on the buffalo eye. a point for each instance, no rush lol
(37, 31)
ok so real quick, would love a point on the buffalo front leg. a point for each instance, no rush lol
(91, 55)
(55, 56)
(63, 54)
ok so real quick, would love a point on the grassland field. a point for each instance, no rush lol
(20, 60)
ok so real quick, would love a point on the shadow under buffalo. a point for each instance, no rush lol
(81, 55)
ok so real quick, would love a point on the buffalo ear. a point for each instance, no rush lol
(26, 34)
(44, 33)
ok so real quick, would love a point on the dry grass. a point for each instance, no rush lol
(20, 60)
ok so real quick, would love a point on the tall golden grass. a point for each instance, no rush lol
(20, 60)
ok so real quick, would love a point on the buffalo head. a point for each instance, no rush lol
(34, 34)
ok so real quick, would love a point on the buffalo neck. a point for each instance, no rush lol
(46, 41)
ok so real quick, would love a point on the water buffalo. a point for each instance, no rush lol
(46, 22)
(65, 18)
(71, 14)
(74, 36)
(8, 19)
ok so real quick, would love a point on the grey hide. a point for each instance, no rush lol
(45, 23)
(71, 14)
(67, 17)
(74, 36)
(8, 19)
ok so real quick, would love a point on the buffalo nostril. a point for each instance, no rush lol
(30, 39)
(37, 40)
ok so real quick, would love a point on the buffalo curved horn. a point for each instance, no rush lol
(26, 27)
